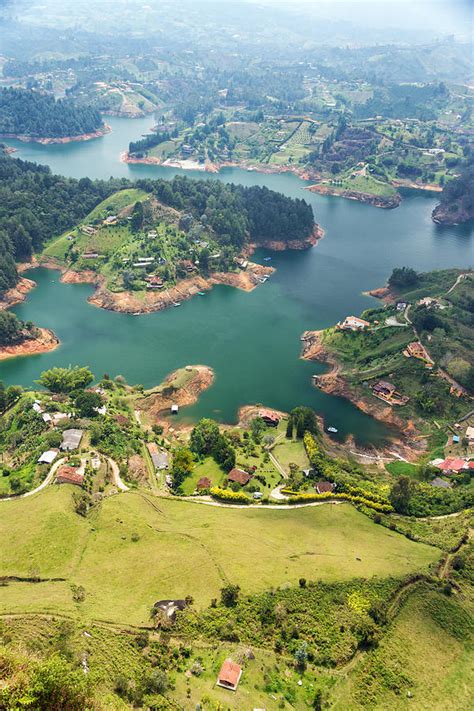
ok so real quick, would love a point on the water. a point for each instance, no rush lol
(250, 340)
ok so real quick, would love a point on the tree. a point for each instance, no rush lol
(11, 328)
(87, 403)
(65, 380)
(400, 494)
(204, 437)
(301, 656)
(305, 418)
(182, 465)
(136, 223)
(257, 427)
(230, 595)
(290, 428)
(403, 276)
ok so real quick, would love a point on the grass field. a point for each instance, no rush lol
(134, 550)
(425, 653)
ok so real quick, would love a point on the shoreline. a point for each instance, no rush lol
(334, 383)
(137, 303)
(386, 203)
(47, 141)
(45, 341)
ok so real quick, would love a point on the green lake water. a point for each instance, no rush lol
(251, 340)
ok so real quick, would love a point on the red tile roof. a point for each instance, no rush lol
(69, 475)
(239, 476)
(324, 486)
(204, 483)
(229, 674)
(452, 464)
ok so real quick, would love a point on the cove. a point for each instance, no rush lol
(251, 340)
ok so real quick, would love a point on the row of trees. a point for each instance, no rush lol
(30, 113)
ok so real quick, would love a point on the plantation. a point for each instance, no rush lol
(132, 551)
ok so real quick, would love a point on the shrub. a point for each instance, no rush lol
(226, 495)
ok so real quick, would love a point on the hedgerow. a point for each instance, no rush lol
(232, 497)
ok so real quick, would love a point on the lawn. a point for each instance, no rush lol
(136, 549)
(289, 451)
(424, 653)
(208, 468)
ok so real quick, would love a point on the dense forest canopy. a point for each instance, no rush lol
(36, 205)
(458, 193)
(30, 113)
(237, 213)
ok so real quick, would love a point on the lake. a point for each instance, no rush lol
(251, 340)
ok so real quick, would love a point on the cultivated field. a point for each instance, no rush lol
(136, 549)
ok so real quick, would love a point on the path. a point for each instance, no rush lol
(116, 475)
(277, 465)
(43, 484)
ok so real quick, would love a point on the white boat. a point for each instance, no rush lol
(176, 303)
(332, 429)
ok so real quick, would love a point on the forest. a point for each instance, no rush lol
(36, 205)
(29, 113)
(239, 213)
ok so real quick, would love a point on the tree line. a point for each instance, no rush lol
(29, 113)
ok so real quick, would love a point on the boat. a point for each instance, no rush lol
(176, 303)
(267, 259)
(201, 293)
(332, 429)
(263, 280)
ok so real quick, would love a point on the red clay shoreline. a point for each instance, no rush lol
(46, 141)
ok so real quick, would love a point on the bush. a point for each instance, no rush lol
(226, 495)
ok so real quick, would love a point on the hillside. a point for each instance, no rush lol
(433, 381)
(35, 116)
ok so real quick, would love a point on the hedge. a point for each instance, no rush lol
(297, 498)
(232, 497)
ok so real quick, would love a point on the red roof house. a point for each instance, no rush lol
(453, 465)
(69, 475)
(204, 483)
(324, 487)
(229, 675)
(239, 476)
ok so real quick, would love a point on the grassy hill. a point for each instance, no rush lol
(135, 550)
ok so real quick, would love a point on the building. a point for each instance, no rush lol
(270, 418)
(401, 305)
(388, 393)
(48, 457)
(160, 460)
(417, 350)
(229, 675)
(204, 483)
(174, 409)
(324, 487)
(353, 323)
(239, 476)
(441, 483)
(69, 475)
(470, 434)
(71, 439)
(453, 465)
